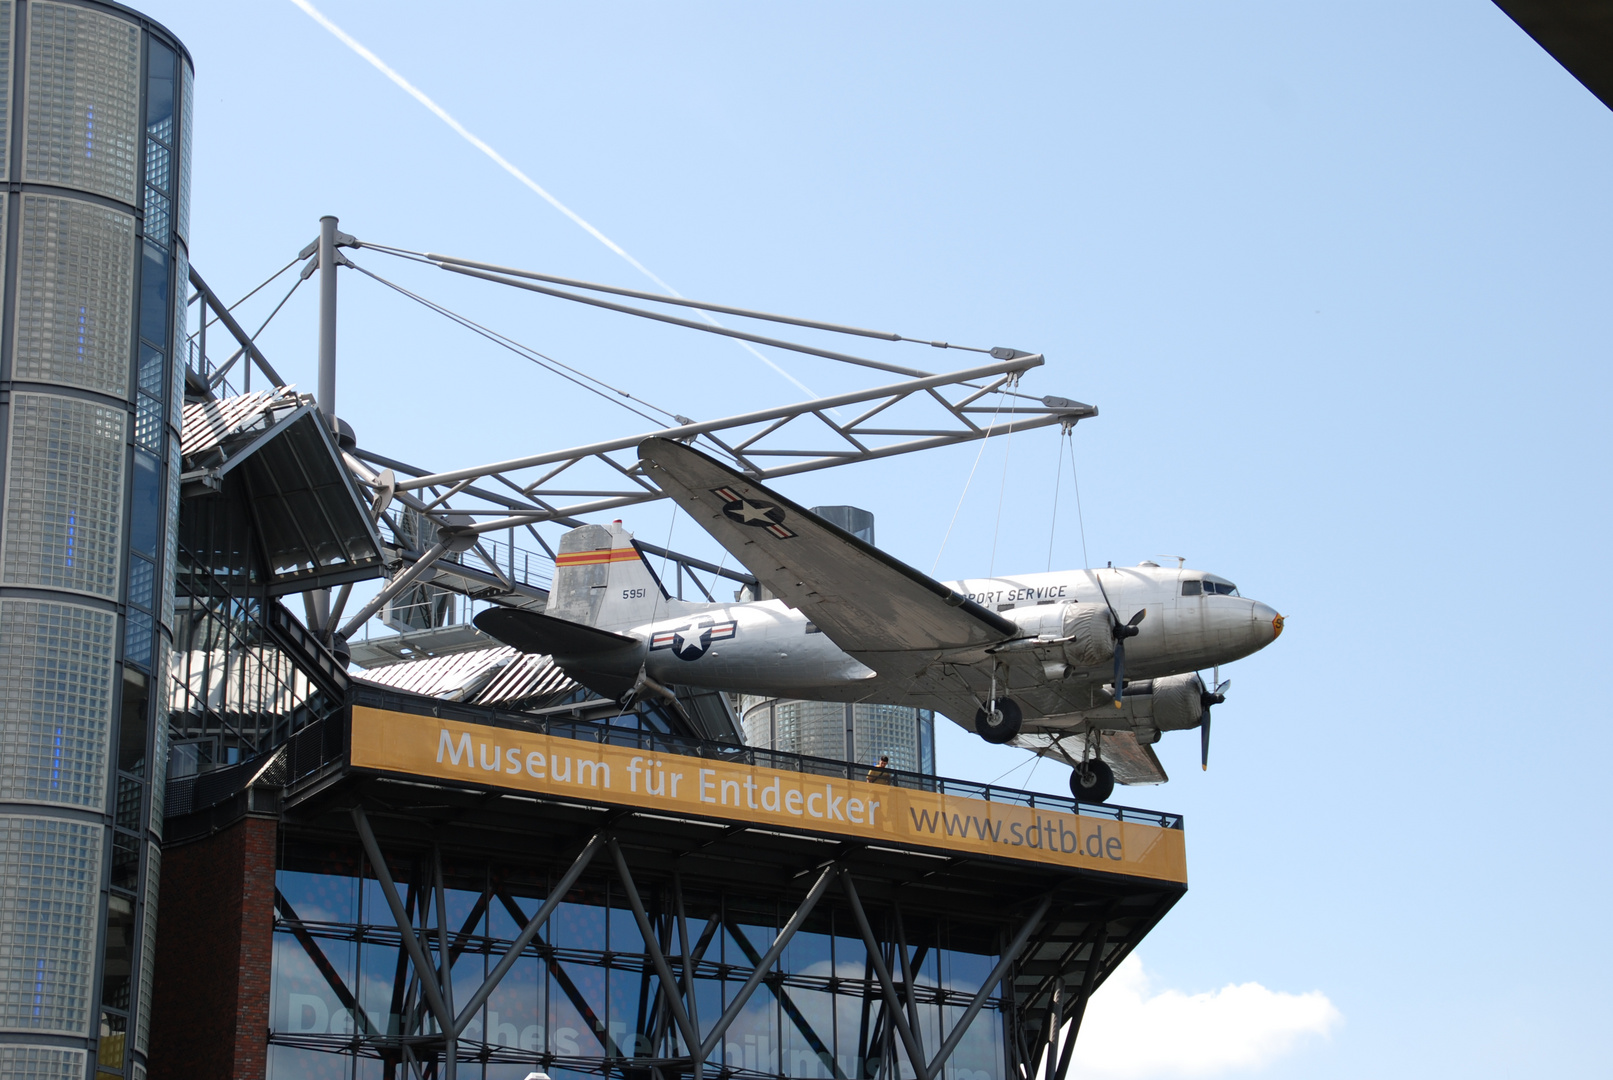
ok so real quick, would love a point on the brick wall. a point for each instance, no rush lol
(215, 928)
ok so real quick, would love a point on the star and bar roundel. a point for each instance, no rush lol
(690, 641)
(759, 515)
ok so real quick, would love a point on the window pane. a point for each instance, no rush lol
(132, 724)
(148, 423)
(151, 371)
(145, 510)
(125, 875)
(128, 808)
(160, 91)
(137, 639)
(142, 578)
(158, 219)
(1192, 588)
(154, 295)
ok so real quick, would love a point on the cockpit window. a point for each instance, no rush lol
(1209, 588)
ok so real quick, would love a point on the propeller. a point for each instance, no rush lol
(1206, 699)
(1121, 631)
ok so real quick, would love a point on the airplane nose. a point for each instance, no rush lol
(1265, 616)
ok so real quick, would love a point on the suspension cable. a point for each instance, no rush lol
(526, 352)
(487, 271)
(1053, 527)
(661, 298)
(218, 376)
(1079, 517)
(965, 493)
(1002, 494)
(251, 294)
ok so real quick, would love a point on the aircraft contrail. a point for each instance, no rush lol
(502, 162)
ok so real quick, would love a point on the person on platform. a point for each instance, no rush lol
(881, 773)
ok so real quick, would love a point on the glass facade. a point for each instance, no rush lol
(233, 692)
(859, 732)
(583, 997)
(94, 277)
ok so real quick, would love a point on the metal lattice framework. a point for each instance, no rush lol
(472, 508)
(675, 994)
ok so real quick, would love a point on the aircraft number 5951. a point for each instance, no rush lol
(632, 594)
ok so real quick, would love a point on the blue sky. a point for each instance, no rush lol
(1336, 275)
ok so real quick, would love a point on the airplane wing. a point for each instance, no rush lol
(864, 600)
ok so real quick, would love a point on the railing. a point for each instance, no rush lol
(583, 731)
(309, 750)
(491, 556)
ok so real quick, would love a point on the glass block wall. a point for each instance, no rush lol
(95, 133)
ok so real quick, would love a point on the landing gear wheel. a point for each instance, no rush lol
(1092, 782)
(1001, 723)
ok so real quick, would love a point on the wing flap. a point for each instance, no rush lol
(1132, 762)
(864, 600)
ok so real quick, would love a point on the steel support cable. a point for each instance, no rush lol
(218, 376)
(1053, 527)
(1002, 494)
(432, 259)
(236, 330)
(660, 298)
(723, 331)
(260, 286)
(965, 493)
(1080, 517)
(526, 352)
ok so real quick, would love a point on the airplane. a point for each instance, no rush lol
(1086, 666)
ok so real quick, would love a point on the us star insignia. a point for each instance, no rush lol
(758, 515)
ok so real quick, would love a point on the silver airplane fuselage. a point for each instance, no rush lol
(1194, 621)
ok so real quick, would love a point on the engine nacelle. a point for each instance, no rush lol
(1170, 704)
(1080, 631)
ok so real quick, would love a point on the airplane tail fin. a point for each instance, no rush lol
(601, 580)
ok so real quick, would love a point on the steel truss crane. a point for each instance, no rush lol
(470, 507)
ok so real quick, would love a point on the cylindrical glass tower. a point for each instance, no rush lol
(95, 140)
(844, 732)
(858, 732)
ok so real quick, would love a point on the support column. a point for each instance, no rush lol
(210, 1005)
(319, 599)
(327, 318)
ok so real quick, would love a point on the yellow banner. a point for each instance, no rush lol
(526, 761)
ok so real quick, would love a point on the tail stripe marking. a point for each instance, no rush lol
(590, 558)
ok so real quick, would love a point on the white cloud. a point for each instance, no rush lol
(1131, 1031)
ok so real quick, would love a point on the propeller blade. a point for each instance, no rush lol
(1120, 669)
(1112, 616)
(1139, 617)
(1206, 700)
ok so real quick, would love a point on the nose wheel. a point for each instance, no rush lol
(1092, 781)
(999, 722)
